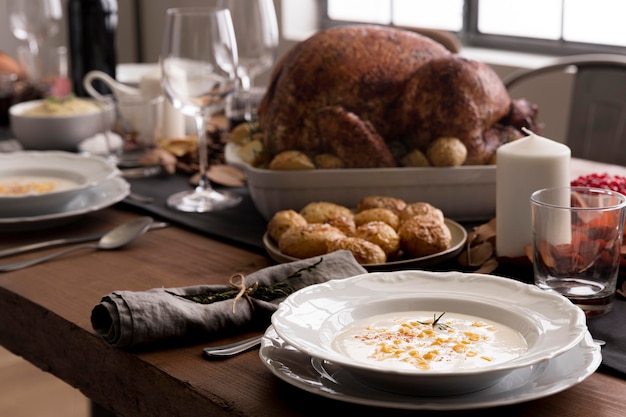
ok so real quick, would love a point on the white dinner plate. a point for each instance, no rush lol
(68, 174)
(459, 237)
(311, 319)
(525, 384)
(92, 199)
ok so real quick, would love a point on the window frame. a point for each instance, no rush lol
(469, 36)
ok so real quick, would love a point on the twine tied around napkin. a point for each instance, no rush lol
(128, 319)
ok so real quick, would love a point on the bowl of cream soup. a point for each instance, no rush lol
(59, 124)
(48, 179)
(429, 333)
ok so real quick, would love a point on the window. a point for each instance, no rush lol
(548, 26)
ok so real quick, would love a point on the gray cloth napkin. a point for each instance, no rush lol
(128, 319)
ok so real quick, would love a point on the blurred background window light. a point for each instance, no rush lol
(598, 21)
(369, 11)
(542, 25)
(441, 14)
(530, 18)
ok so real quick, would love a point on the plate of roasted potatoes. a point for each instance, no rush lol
(383, 233)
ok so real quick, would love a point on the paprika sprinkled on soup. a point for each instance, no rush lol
(425, 340)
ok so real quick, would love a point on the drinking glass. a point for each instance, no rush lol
(34, 21)
(198, 63)
(577, 240)
(256, 31)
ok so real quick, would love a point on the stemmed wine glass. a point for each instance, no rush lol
(34, 21)
(198, 63)
(256, 30)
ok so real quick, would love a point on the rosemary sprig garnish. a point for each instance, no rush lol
(261, 292)
(435, 323)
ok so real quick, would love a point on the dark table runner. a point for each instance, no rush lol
(241, 224)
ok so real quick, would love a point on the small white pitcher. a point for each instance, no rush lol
(116, 87)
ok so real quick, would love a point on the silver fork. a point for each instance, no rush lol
(231, 349)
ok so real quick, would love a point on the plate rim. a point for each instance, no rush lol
(586, 347)
(456, 247)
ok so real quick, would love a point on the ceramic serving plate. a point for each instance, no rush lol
(328, 380)
(48, 180)
(459, 237)
(311, 319)
(465, 193)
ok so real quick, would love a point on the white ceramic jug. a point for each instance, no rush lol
(150, 89)
(118, 89)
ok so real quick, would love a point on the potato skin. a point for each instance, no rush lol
(291, 160)
(418, 238)
(364, 252)
(394, 204)
(446, 151)
(381, 234)
(344, 223)
(321, 211)
(309, 240)
(415, 158)
(425, 211)
(283, 220)
(377, 214)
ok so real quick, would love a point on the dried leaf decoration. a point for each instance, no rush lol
(488, 267)
(479, 251)
(160, 157)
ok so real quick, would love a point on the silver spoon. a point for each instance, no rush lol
(114, 239)
(232, 349)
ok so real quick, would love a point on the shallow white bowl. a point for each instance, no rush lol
(311, 318)
(78, 172)
(57, 132)
(465, 193)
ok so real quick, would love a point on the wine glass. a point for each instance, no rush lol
(256, 30)
(34, 21)
(198, 63)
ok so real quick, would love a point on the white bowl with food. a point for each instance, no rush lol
(48, 179)
(429, 333)
(59, 124)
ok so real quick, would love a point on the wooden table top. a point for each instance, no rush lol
(45, 314)
(45, 318)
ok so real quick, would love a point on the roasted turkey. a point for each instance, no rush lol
(370, 95)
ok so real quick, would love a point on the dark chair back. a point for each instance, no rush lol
(597, 118)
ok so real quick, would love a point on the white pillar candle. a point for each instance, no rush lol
(173, 120)
(522, 167)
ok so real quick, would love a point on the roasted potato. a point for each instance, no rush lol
(377, 214)
(418, 238)
(321, 211)
(394, 204)
(425, 211)
(291, 160)
(381, 234)
(446, 152)
(364, 252)
(308, 241)
(282, 221)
